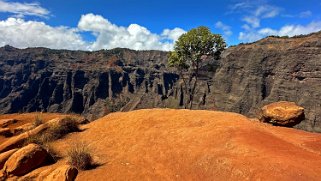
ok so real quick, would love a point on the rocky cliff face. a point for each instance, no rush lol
(96, 83)
(271, 70)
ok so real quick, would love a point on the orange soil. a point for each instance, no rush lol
(164, 144)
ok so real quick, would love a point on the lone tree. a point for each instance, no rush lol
(190, 51)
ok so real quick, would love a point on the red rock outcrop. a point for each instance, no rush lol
(282, 113)
(25, 160)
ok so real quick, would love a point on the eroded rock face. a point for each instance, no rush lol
(271, 70)
(63, 173)
(5, 156)
(25, 160)
(6, 122)
(93, 84)
(282, 113)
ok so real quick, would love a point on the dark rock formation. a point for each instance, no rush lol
(246, 78)
(270, 70)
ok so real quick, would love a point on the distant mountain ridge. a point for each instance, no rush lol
(247, 77)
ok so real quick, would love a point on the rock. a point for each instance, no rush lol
(6, 122)
(5, 132)
(63, 173)
(18, 141)
(23, 128)
(25, 160)
(2, 176)
(282, 113)
(4, 157)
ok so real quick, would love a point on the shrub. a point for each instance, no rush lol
(63, 127)
(38, 121)
(55, 131)
(79, 156)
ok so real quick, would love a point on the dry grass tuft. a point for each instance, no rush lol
(38, 121)
(80, 157)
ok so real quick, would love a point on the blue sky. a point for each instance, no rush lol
(147, 24)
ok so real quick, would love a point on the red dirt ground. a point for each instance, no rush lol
(164, 144)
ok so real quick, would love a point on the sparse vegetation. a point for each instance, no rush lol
(63, 127)
(80, 157)
(54, 132)
(38, 121)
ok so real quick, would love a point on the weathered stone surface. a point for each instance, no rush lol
(6, 122)
(5, 132)
(17, 141)
(63, 173)
(4, 157)
(23, 128)
(271, 70)
(25, 160)
(282, 113)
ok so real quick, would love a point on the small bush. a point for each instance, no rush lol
(38, 121)
(79, 156)
(63, 127)
(54, 132)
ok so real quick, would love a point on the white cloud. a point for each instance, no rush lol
(287, 30)
(134, 36)
(22, 9)
(173, 34)
(266, 11)
(225, 28)
(21, 33)
(253, 21)
(305, 14)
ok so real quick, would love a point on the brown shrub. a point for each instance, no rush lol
(80, 157)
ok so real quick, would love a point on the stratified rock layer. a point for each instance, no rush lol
(93, 84)
(271, 70)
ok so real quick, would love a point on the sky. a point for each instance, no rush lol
(149, 24)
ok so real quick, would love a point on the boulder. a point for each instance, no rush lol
(6, 122)
(5, 132)
(282, 113)
(4, 157)
(63, 173)
(26, 159)
(18, 141)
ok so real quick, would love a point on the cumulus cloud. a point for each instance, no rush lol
(173, 34)
(21, 33)
(287, 30)
(225, 28)
(134, 36)
(22, 9)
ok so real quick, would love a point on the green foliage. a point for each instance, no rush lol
(193, 46)
(190, 51)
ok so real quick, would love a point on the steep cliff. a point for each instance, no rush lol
(270, 70)
(95, 83)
